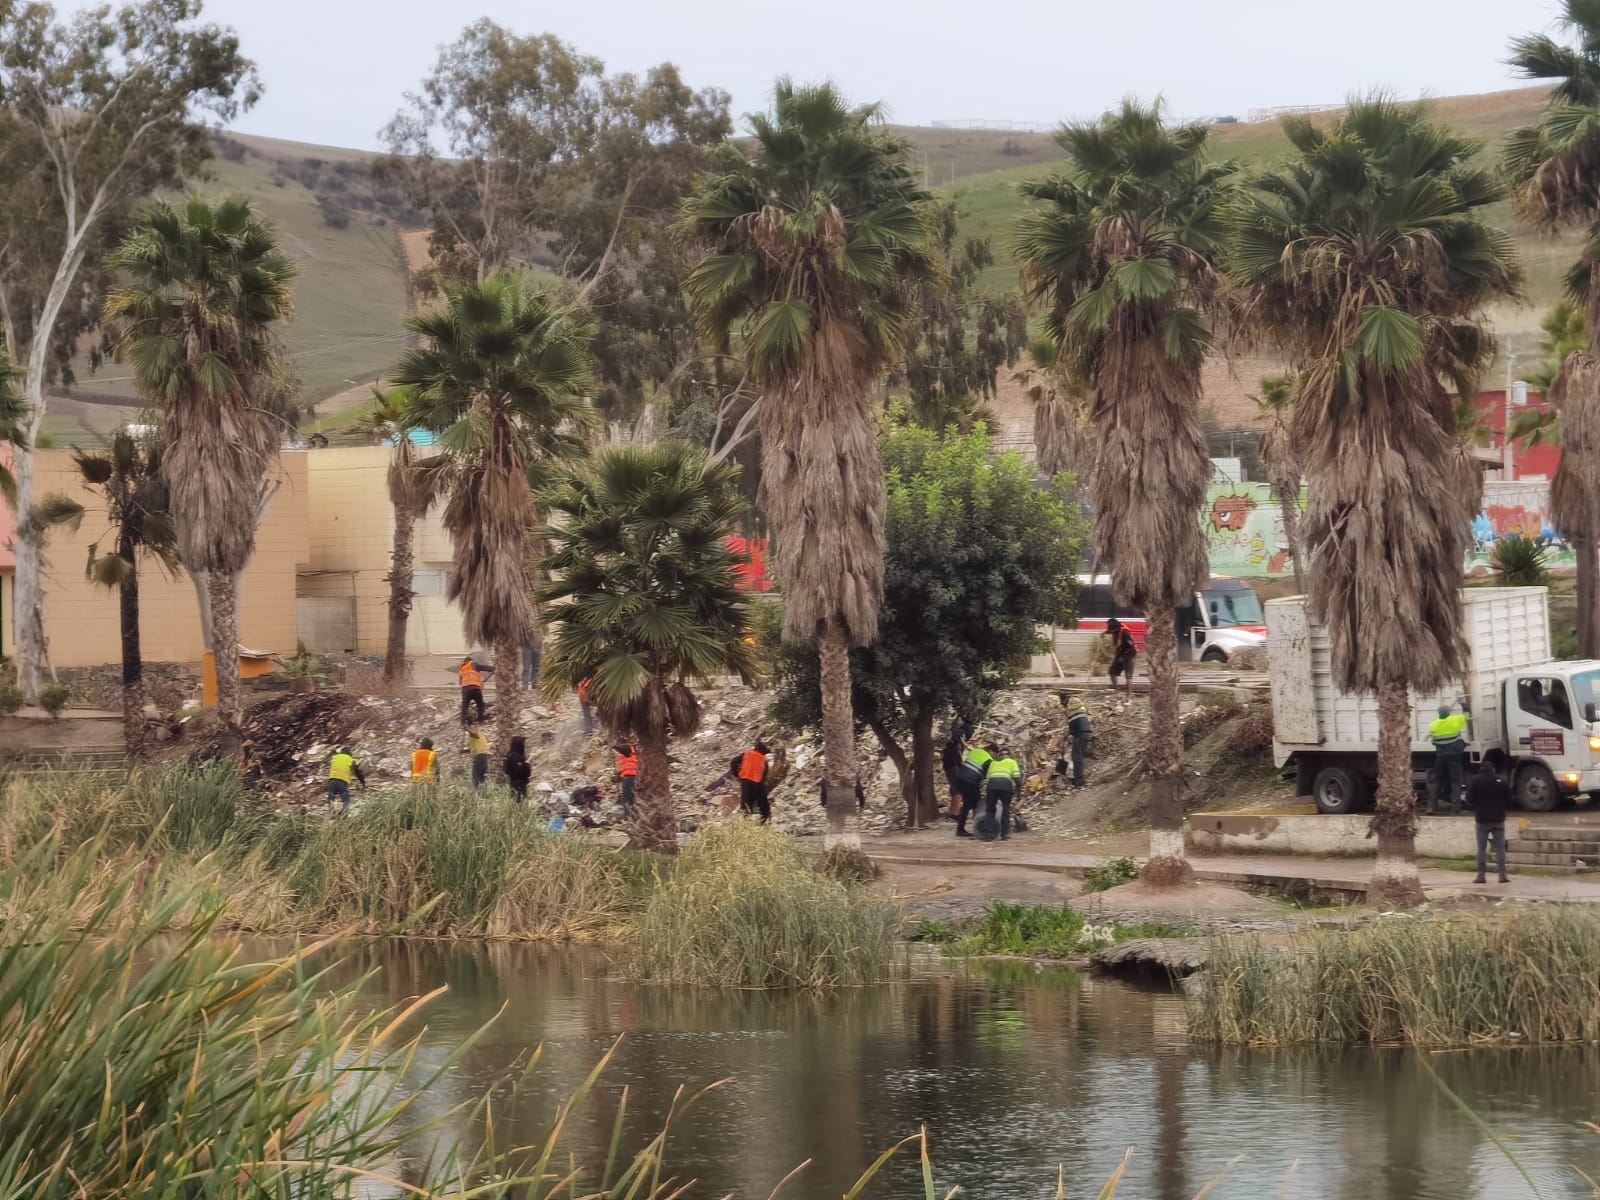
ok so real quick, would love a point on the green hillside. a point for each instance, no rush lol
(351, 295)
(987, 202)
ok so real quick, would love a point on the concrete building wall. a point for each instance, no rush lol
(81, 619)
(352, 533)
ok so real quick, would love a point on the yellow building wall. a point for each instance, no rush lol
(352, 533)
(81, 619)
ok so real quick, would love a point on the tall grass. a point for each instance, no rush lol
(1530, 977)
(743, 908)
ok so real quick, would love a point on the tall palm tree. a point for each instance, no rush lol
(813, 243)
(1120, 253)
(1368, 258)
(413, 487)
(204, 290)
(1282, 460)
(1554, 169)
(643, 601)
(501, 376)
(129, 479)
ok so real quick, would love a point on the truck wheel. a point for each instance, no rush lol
(1536, 789)
(1338, 791)
(1214, 655)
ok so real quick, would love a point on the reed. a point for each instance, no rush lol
(1527, 977)
(742, 908)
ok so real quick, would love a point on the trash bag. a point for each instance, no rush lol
(989, 826)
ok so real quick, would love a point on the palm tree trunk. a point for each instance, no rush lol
(132, 664)
(1166, 866)
(838, 728)
(1395, 883)
(655, 820)
(1588, 599)
(222, 590)
(1289, 505)
(401, 567)
(507, 710)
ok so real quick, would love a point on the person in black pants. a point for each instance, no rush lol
(1489, 795)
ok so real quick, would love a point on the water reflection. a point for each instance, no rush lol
(1012, 1070)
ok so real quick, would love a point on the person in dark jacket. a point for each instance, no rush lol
(518, 769)
(1489, 795)
(1123, 654)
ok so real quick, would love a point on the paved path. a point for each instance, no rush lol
(1286, 872)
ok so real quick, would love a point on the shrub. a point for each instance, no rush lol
(743, 908)
(1521, 561)
(53, 698)
(11, 699)
(1253, 735)
(1529, 975)
(934, 932)
(848, 864)
(1112, 873)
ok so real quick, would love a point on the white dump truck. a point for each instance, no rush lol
(1545, 715)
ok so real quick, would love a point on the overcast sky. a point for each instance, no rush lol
(335, 70)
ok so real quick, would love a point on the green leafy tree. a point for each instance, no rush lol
(643, 601)
(97, 110)
(203, 290)
(978, 558)
(413, 487)
(128, 479)
(1120, 251)
(1369, 259)
(812, 245)
(501, 376)
(1554, 169)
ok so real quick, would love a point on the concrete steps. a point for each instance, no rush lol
(54, 759)
(1569, 843)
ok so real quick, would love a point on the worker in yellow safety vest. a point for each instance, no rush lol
(343, 767)
(425, 763)
(1005, 779)
(974, 768)
(1449, 737)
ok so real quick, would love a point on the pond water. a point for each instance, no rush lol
(1015, 1071)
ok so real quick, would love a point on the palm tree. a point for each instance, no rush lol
(1554, 169)
(1119, 252)
(1367, 257)
(1282, 460)
(643, 601)
(813, 243)
(501, 377)
(204, 290)
(129, 478)
(413, 487)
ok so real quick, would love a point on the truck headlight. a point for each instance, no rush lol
(1594, 743)
(1572, 777)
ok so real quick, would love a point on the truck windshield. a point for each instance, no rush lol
(1586, 691)
(1235, 608)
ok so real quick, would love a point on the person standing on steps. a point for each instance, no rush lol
(1005, 780)
(425, 763)
(342, 767)
(751, 770)
(1078, 729)
(1490, 795)
(1449, 737)
(628, 773)
(478, 747)
(470, 675)
(1123, 654)
(974, 768)
(517, 768)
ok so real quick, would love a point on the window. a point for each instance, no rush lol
(1234, 608)
(1586, 690)
(1545, 700)
(427, 583)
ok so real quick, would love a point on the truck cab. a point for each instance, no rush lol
(1224, 619)
(1551, 732)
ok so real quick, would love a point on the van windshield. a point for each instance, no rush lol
(1235, 608)
(1586, 691)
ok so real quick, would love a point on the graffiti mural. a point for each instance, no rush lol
(1244, 527)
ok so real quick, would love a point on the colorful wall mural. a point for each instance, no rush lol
(1244, 527)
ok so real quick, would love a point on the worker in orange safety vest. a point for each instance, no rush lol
(425, 763)
(470, 675)
(750, 768)
(628, 772)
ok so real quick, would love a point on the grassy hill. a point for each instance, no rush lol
(351, 294)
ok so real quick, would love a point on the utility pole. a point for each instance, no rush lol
(1508, 467)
